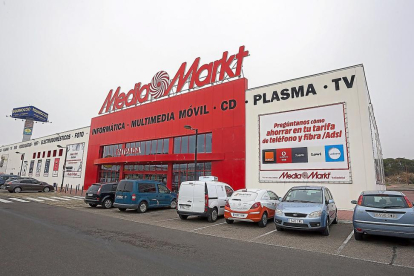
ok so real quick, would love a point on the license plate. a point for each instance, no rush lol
(121, 197)
(382, 215)
(295, 220)
(185, 207)
(90, 194)
(238, 215)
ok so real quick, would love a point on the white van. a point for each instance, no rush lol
(206, 197)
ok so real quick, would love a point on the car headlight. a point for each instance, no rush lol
(279, 212)
(315, 214)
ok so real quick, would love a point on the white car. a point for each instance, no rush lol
(251, 205)
(205, 198)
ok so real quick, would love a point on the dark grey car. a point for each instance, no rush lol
(26, 185)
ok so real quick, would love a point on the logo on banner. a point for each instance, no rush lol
(161, 85)
(269, 156)
(334, 153)
(284, 156)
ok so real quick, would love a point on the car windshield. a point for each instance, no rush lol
(243, 196)
(384, 201)
(304, 195)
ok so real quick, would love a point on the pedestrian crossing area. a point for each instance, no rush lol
(44, 199)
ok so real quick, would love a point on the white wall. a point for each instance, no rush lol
(45, 144)
(360, 145)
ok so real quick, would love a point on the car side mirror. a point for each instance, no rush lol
(354, 202)
(331, 201)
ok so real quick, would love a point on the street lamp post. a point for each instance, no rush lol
(21, 165)
(64, 163)
(195, 151)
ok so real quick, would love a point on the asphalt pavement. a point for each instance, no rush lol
(44, 239)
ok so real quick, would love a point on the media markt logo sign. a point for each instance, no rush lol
(305, 175)
(161, 85)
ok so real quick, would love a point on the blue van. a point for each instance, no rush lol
(142, 195)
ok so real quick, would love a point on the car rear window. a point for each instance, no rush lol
(94, 188)
(384, 201)
(125, 186)
(244, 196)
(305, 195)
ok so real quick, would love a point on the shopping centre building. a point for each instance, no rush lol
(315, 130)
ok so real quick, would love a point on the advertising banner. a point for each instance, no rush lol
(31, 168)
(74, 160)
(28, 127)
(24, 169)
(38, 167)
(305, 145)
(56, 167)
(47, 166)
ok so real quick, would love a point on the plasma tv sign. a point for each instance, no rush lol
(161, 85)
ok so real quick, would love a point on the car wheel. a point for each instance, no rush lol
(183, 217)
(212, 217)
(17, 190)
(46, 189)
(263, 220)
(143, 207)
(93, 204)
(107, 204)
(278, 228)
(229, 221)
(358, 236)
(325, 231)
(336, 218)
(122, 209)
(173, 204)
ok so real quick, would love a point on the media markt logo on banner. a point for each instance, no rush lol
(161, 85)
(334, 153)
(305, 175)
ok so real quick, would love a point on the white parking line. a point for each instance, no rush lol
(81, 197)
(60, 198)
(344, 243)
(165, 220)
(209, 226)
(18, 199)
(34, 199)
(263, 235)
(5, 201)
(72, 197)
(46, 198)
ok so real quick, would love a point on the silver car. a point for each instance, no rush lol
(385, 213)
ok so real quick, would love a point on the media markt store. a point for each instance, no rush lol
(156, 137)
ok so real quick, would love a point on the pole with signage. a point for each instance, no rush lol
(195, 150)
(64, 163)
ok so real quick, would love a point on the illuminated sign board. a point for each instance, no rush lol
(161, 85)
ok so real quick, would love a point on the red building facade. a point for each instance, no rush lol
(149, 141)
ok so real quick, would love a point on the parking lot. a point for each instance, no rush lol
(392, 251)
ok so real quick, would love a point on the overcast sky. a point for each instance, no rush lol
(64, 56)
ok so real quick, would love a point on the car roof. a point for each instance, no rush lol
(251, 190)
(145, 181)
(378, 192)
(308, 188)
